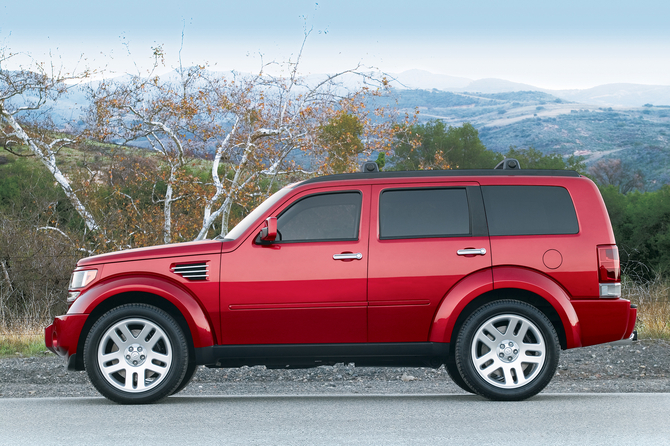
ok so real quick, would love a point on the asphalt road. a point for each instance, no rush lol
(547, 419)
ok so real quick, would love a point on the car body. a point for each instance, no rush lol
(489, 272)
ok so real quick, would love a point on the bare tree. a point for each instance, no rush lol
(613, 172)
(249, 126)
(23, 93)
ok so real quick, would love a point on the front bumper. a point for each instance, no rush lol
(62, 337)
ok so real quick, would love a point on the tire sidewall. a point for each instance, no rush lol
(463, 351)
(178, 345)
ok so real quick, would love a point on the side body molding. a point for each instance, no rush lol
(485, 281)
(198, 322)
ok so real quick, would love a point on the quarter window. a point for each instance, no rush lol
(529, 210)
(322, 217)
(416, 213)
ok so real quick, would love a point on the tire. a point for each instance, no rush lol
(507, 351)
(455, 375)
(136, 354)
(190, 372)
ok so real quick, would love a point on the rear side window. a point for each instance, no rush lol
(416, 213)
(529, 210)
(322, 217)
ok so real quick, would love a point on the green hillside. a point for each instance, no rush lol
(640, 136)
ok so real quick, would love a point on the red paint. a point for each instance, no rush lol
(62, 336)
(299, 293)
(405, 290)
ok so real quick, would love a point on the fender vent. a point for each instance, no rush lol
(193, 271)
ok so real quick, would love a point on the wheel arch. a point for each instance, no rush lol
(188, 313)
(508, 283)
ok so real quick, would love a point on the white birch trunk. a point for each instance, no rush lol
(49, 160)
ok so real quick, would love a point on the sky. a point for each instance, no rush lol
(557, 44)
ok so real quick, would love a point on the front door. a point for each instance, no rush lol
(310, 285)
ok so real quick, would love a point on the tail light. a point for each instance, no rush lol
(608, 263)
(609, 271)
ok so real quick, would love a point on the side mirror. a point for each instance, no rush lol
(269, 232)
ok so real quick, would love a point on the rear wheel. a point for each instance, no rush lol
(190, 372)
(136, 354)
(455, 375)
(507, 350)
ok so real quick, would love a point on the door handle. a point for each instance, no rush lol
(348, 256)
(471, 252)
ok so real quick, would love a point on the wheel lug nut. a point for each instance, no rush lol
(134, 362)
(127, 356)
(509, 358)
(502, 346)
(139, 349)
(516, 351)
(502, 355)
(142, 357)
(130, 349)
(511, 344)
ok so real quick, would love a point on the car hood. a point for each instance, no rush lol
(161, 251)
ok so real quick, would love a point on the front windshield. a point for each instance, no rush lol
(247, 221)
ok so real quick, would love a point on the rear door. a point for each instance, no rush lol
(423, 239)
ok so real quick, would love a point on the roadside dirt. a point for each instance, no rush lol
(643, 366)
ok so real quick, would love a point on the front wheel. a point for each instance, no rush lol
(507, 350)
(136, 354)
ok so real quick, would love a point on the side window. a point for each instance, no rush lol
(333, 216)
(529, 210)
(417, 213)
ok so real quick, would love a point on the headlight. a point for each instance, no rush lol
(82, 278)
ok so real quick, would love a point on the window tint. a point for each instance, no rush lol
(413, 213)
(529, 210)
(321, 217)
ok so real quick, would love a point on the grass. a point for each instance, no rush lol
(653, 306)
(18, 344)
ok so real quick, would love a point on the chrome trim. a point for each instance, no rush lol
(471, 252)
(348, 256)
(628, 341)
(192, 271)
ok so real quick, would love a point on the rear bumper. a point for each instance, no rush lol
(605, 320)
(62, 337)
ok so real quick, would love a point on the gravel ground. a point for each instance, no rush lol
(643, 366)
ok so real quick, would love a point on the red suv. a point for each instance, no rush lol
(489, 272)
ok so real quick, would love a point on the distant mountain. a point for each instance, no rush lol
(610, 95)
(499, 86)
(425, 80)
(625, 95)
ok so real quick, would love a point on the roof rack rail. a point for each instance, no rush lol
(508, 163)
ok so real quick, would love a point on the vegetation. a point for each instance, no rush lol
(641, 223)
(653, 306)
(532, 158)
(441, 147)
(22, 344)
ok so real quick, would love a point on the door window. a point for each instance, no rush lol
(417, 213)
(322, 217)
